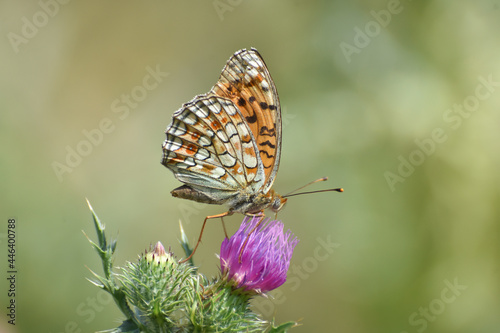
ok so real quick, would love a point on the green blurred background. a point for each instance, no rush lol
(389, 99)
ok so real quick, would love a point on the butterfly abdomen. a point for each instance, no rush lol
(187, 192)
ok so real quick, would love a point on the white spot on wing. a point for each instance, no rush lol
(172, 145)
(204, 141)
(218, 172)
(264, 84)
(214, 106)
(177, 128)
(188, 117)
(202, 154)
(230, 109)
(250, 161)
(200, 110)
(231, 129)
(227, 160)
(190, 162)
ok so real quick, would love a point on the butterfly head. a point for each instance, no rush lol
(277, 202)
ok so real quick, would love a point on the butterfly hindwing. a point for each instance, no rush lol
(210, 148)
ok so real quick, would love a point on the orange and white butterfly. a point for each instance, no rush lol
(225, 145)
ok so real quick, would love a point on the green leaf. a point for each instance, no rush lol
(99, 228)
(185, 244)
(107, 282)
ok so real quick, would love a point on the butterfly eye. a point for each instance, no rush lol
(278, 204)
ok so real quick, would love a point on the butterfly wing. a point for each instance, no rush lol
(210, 148)
(246, 81)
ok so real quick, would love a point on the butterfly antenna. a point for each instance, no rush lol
(291, 194)
(300, 188)
(318, 191)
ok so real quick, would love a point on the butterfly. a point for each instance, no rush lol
(225, 145)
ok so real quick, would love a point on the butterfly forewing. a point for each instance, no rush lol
(247, 82)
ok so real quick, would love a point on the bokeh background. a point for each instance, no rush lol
(396, 101)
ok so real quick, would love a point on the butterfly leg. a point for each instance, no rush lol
(224, 226)
(261, 215)
(201, 233)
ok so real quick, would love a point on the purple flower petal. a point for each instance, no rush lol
(265, 259)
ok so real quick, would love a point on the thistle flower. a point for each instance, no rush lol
(262, 264)
(159, 256)
(158, 294)
(154, 287)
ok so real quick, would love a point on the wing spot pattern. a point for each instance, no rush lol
(213, 141)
